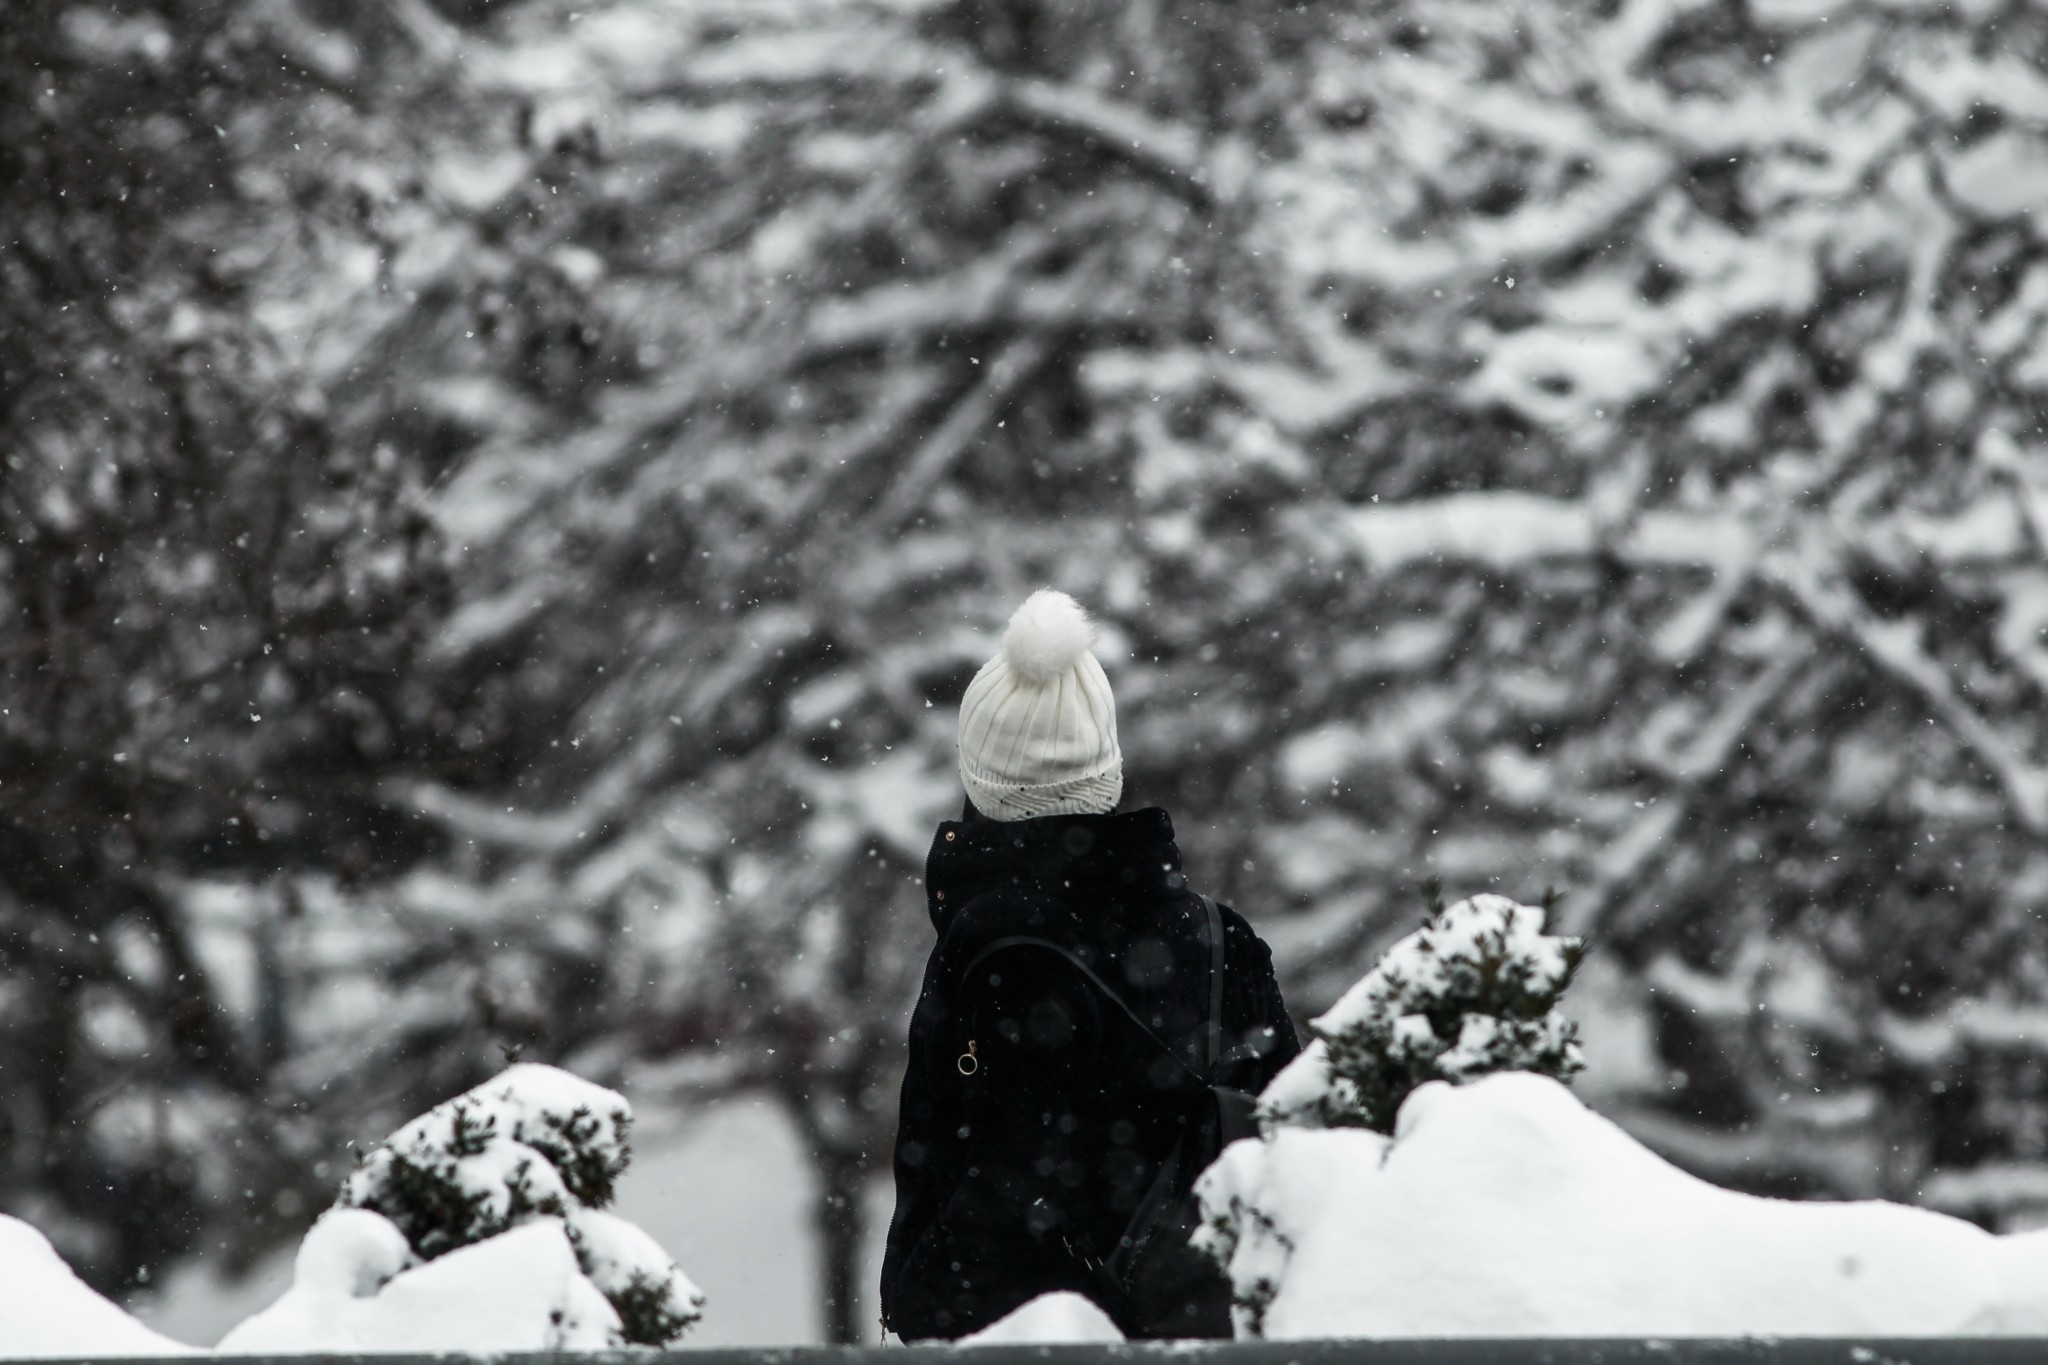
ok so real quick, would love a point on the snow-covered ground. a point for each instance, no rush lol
(727, 1193)
(1049, 1319)
(1507, 1208)
(1500, 1207)
(520, 1290)
(45, 1310)
(1503, 1206)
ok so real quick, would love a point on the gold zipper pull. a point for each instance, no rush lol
(967, 1062)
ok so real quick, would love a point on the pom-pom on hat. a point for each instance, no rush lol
(1038, 723)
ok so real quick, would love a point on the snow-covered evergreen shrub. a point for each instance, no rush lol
(1506, 1208)
(534, 1142)
(1474, 991)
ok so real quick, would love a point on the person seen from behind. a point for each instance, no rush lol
(1090, 1031)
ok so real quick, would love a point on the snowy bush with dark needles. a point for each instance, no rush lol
(480, 1226)
(532, 1142)
(1474, 991)
(533, 1154)
(1425, 1142)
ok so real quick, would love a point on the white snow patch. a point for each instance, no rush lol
(46, 1310)
(1063, 1318)
(518, 1291)
(1506, 1208)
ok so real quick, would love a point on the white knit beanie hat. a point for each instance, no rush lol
(1038, 723)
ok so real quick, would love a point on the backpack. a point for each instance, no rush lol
(1152, 1282)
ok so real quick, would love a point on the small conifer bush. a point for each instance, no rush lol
(1475, 990)
(534, 1142)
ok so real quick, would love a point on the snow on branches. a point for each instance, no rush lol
(532, 1145)
(1474, 991)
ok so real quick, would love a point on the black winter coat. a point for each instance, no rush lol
(1010, 1180)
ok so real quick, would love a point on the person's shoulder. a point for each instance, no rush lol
(1238, 932)
(1234, 921)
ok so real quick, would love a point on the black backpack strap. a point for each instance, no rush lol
(1215, 1034)
(1212, 1035)
(1108, 993)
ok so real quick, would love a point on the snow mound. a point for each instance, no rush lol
(1061, 1318)
(1506, 1208)
(46, 1310)
(1046, 636)
(1474, 991)
(485, 1214)
(519, 1291)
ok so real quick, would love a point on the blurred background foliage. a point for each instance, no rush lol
(501, 496)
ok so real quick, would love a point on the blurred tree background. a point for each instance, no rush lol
(500, 500)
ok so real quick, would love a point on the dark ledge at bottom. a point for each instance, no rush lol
(1428, 1351)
